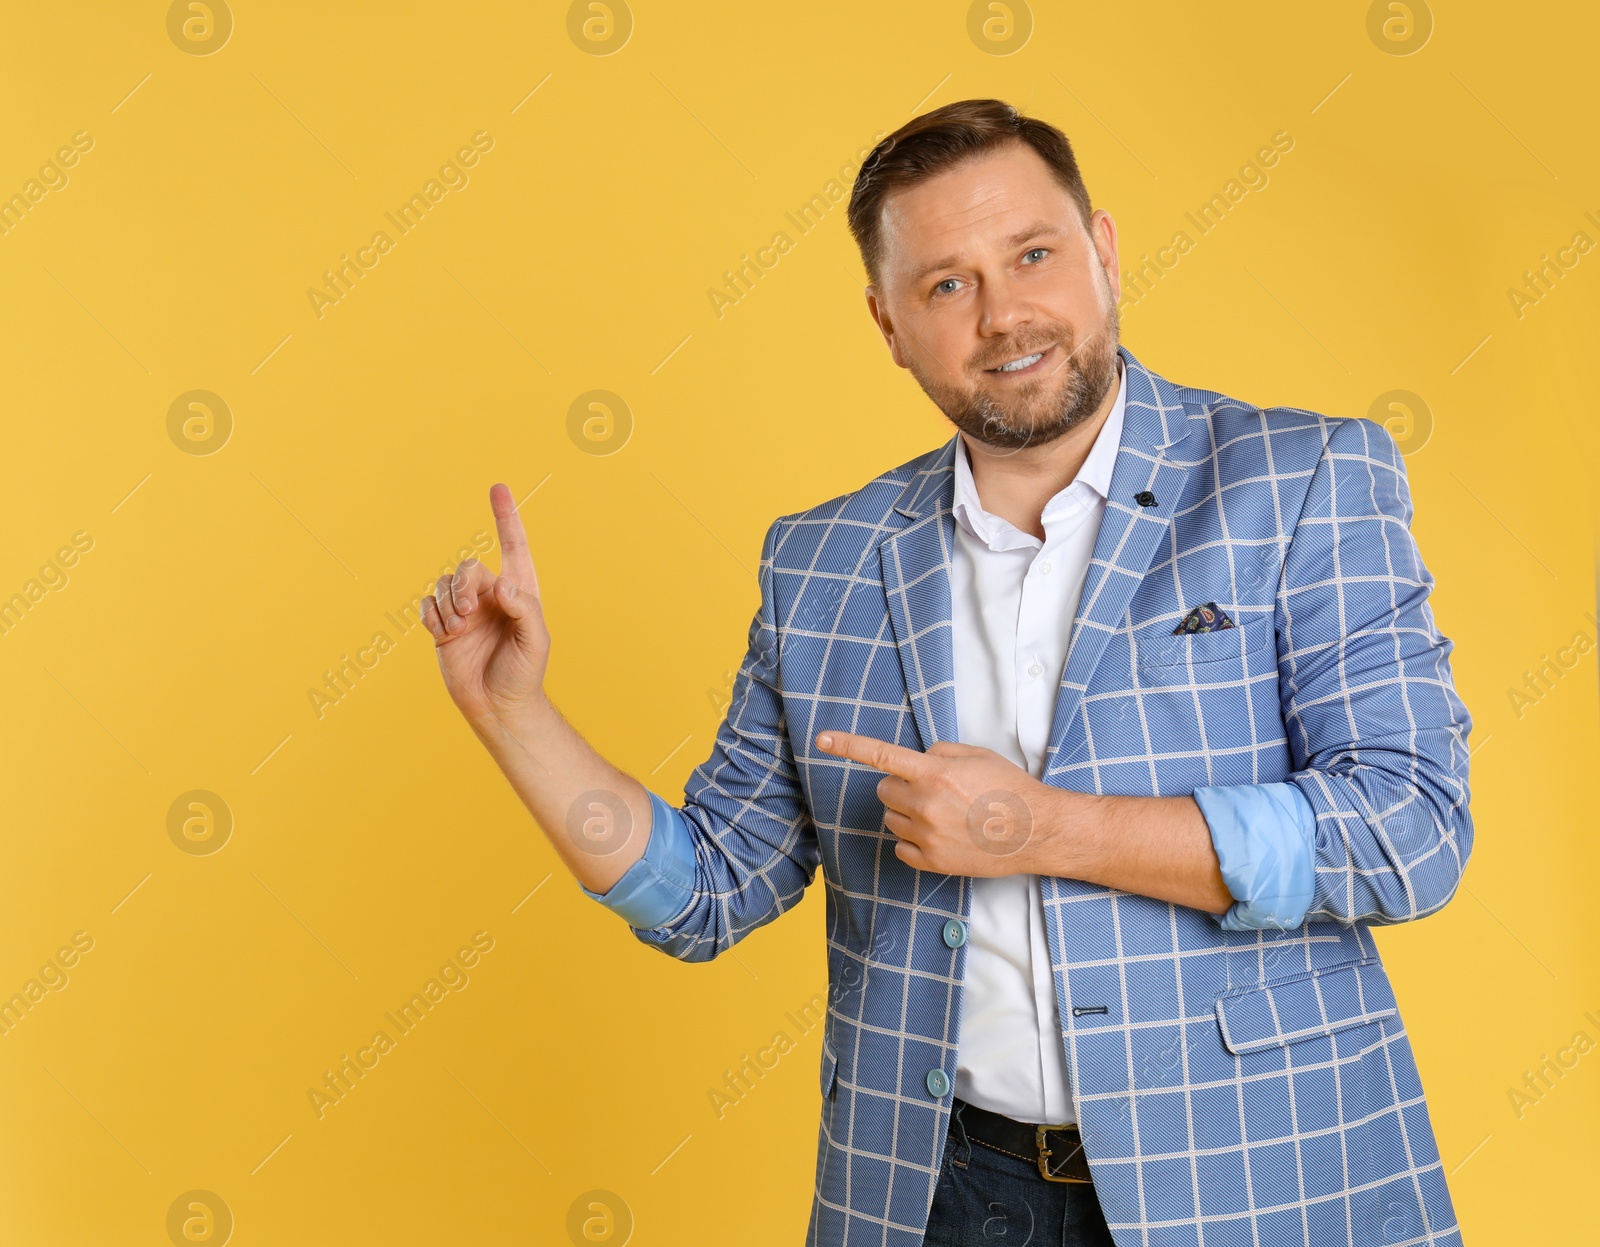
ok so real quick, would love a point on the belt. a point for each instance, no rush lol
(1057, 1149)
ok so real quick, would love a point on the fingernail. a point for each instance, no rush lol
(825, 740)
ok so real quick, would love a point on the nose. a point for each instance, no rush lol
(1003, 309)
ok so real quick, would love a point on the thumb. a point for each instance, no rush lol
(956, 749)
(521, 606)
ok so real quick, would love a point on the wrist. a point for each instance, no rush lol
(1063, 832)
(516, 729)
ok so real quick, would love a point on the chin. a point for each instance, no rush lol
(1011, 437)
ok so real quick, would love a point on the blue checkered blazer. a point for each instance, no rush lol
(1232, 1087)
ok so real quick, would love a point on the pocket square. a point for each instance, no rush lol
(1207, 618)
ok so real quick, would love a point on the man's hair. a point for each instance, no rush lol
(939, 141)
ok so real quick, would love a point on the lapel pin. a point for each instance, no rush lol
(1145, 498)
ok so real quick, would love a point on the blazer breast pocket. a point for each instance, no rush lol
(1166, 656)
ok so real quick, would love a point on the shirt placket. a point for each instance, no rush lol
(1037, 679)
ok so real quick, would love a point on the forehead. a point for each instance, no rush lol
(971, 208)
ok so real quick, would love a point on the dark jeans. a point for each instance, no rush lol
(987, 1198)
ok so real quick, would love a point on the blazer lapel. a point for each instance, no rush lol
(1154, 419)
(916, 581)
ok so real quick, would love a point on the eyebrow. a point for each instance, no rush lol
(1036, 230)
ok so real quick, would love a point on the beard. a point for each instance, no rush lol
(1039, 409)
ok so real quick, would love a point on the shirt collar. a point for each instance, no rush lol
(1095, 473)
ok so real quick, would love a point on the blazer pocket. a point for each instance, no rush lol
(1160, 650)
(1304, 1006)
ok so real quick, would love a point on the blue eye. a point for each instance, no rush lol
(1045, 250)
(937, 289)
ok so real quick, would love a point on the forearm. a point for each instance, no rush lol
(552, 767)
(1159, 847)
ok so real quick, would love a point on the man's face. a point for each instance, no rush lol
(990, 263)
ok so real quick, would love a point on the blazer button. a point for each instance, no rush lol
(955, 933)
(938, 1083)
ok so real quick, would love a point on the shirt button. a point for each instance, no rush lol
(1035, 670)
(955, 933)
(1044, 569)
(938, 1083)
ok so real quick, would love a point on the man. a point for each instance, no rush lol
(1116, 723)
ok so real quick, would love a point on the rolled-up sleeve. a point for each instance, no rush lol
(660, 885)
(1377, 733)
(1264, 835)
(742, 848)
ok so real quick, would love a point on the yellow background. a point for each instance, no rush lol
(372, 842)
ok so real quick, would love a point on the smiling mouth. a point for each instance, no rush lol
(1022, 365)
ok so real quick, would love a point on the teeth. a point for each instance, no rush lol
(1027, 361)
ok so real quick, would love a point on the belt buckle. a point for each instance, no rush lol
(1045, 1153)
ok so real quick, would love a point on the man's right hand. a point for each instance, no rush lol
(489, 631)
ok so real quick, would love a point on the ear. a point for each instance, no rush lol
(1103, 233)
(880, 317)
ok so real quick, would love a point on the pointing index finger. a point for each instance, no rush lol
(516, 562)
(881, 755)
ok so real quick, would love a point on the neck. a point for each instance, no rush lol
(1016, 484)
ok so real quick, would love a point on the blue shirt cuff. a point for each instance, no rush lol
(660, 885)
(1264, 836)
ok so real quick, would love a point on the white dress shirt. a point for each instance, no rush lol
(1013, 599)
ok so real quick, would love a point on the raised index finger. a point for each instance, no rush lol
(516, 562)
(897, 760)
